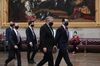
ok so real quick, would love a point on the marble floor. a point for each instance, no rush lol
(79, 59)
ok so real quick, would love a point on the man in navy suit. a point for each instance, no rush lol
(61, 38)
(8, 30)
(15, 45)
(31, 42)
(47, 42)
(8, 34)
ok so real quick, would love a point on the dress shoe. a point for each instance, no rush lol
(31, 62)
(5, 64)
(34, 62)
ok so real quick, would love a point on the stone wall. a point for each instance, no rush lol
(82, 32)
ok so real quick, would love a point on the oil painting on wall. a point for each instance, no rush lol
(29, 10)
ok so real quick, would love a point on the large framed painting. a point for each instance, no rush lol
(81, 13)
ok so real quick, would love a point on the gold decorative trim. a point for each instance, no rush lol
(4, 18)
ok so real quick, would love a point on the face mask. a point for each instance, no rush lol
(51, 23)
(32, 25)
(75, 34)
(11, 25)
(66, 23)
(16, 27)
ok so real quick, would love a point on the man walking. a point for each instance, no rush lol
(31, 42)
(47, 42)
(61, 38)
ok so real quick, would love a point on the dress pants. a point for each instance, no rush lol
(31, 53)
(48, 57)
(11, 55)
(63, 54)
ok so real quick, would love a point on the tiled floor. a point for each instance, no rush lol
(80, 59)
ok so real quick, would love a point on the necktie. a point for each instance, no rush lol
(18, 36)
(67, 33)
(51, 31)
(33, 33)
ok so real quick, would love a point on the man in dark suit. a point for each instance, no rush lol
(47, 42)
(8, 34)
(8, 30)
(14, 46)
(62, 42)
(31, 42)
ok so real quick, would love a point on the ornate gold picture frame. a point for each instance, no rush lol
(38, 23)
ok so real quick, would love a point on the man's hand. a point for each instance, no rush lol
(44, 49)
(16, 47)
(55, 49)
(31, 44)
(55, 46)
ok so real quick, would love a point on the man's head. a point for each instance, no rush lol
(12, 24)
(65, 22)
(16, 26)
(31, 23)
(49, 20)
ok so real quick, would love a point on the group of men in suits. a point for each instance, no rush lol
(47, 43)
(13, 39)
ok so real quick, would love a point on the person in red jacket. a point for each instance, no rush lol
(75, 41)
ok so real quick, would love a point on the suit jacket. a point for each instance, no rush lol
(61, 38)
(8, 32)
(30, 37)
(8, 35)
(46, 38)
(14, 40)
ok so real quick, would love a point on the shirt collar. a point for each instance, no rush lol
(47, 24)
(14, 29)
(11, 28)
(30, 27)
(63, 26)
